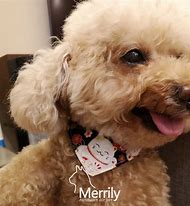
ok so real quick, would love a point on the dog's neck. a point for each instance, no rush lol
(91, 147)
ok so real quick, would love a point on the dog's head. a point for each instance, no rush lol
(123, 68)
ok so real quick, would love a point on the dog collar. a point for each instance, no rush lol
(97, 153)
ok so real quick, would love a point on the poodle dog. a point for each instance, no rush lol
(122, 70)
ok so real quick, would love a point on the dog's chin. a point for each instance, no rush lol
(162, 124)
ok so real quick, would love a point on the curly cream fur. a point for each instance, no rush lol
(43, 82)
(84, 79)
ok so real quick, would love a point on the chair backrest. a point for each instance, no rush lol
(58, 11)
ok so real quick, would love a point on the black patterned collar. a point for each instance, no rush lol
(97, 153)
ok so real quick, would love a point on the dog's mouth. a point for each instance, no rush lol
(164, 124)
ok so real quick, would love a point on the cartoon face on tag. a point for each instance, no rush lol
(103, 150)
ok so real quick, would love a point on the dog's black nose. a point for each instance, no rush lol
(184, 95)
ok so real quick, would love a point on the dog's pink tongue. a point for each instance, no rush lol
(168, 126)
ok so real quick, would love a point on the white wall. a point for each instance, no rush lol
(24, 26)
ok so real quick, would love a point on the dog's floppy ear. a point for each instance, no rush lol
(38, 87)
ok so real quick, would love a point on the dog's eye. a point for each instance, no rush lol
(134, 56)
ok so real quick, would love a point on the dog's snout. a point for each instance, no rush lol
(184, 95)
